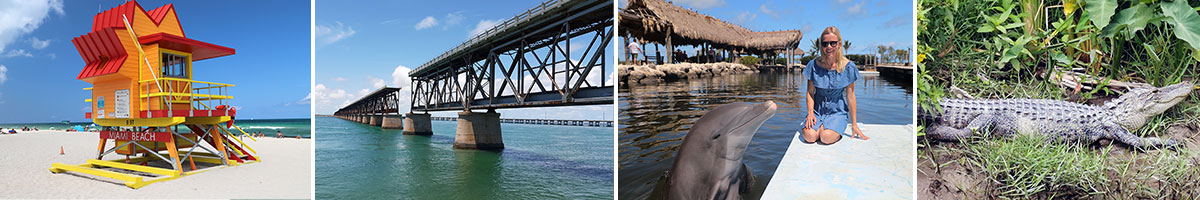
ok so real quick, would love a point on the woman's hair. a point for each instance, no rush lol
(838, 53)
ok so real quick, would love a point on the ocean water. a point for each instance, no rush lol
(654, 118)
(289, 127)
(357, 161)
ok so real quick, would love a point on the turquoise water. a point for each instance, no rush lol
(289, 127)
(357, 161)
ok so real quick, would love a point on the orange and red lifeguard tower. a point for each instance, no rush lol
(146, 100)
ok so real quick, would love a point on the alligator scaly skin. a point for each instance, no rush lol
(1054, 119)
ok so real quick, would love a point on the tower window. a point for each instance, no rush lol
(174, 65)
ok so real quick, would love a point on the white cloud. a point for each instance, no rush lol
(429, 21)
(305, 101)
(20, 17)
(898, 21)
(482, 26)
(3, 74)
(453, 18)
(376, 83)
(52, 56)
(363, 92)
(768, 11)
(400, 77)
(842, 1)
(339, 79)
(328, 34)
(745, 18)
(325, 95)
(39, 44)
(701, 4)
(18, 52)
(856, 9)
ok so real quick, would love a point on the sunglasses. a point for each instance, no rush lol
(828, 43)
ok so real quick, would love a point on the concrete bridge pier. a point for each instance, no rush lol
(392, 122)
(376, 120)
(478, 131)
(417, 124)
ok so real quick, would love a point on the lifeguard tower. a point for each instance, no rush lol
(151, 111)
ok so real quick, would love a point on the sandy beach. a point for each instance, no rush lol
(285, 171)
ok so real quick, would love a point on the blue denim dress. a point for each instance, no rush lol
(829, 100)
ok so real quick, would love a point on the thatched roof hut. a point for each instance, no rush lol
(655, 20)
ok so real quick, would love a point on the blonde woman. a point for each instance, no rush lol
(830, 94)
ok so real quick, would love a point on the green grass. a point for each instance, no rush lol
(1028, 167)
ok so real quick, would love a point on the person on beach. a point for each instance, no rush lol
(830, 93)
(279, 134)
(635, 49)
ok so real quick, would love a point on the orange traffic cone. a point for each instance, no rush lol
(60, 150)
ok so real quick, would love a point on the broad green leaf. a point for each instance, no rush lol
(984, 28)
(1130, 20)
(1061, 58)
(1101, 11)
(1184, 20)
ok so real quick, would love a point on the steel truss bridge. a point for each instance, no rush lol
(529, 60)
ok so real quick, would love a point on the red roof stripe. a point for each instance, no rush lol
(93, 46)
(91, 49)
(112, 17)
(199, 50)
(76, 43)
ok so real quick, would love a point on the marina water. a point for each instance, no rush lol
(654, 118)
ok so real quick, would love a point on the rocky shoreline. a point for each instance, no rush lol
(646, 74)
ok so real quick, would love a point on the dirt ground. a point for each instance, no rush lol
(944, 170)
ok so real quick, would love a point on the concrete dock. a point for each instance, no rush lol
(879, 168)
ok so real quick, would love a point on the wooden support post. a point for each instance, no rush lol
(101, 149)
(218, 139)
(174, 151)
(670, 47)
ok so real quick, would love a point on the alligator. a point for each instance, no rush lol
(1057, 120)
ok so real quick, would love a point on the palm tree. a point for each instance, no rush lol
(816, 46)
(846, 45)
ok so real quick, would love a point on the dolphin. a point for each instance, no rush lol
(708, 164)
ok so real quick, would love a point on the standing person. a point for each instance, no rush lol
(830, 93)
(635, 49)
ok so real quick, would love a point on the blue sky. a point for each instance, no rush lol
(367, 44)
(38, 63)
(865, 23)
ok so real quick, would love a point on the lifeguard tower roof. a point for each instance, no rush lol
(105, 52)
